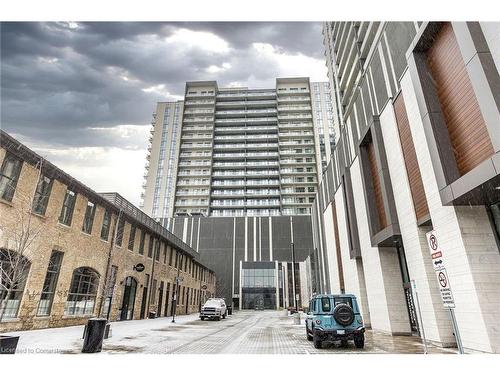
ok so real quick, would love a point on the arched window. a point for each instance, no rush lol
(14, 270)
(83, 292)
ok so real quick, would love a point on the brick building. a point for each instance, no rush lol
(68, 253)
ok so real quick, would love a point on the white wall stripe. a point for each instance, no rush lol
(246, 239)
(192, 230)
(254, 239)
(234, 252)
(198, 239)
(270, 239)
(260, 239)
(184, 230)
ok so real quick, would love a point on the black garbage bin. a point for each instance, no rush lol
(8, 344)
(94, 335)
(230, 310)
(152, 315)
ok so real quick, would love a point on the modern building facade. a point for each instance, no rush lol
(257, 260)
(239, 170)
(162, 160)
(321, 101)
(416, 156)
(68, 253)
(237, 151)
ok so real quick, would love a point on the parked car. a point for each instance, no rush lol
(214, 308)
(334, 317)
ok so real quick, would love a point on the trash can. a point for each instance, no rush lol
(152, 315)
(94, 335)
(230, 310)
(8, 344)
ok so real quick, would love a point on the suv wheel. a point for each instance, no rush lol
(317, 340)
(309, 336)
(218, 318)
(359, 341)
(202, 318)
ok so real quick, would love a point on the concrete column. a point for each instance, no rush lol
(331, 250)
(384, 284)
(471, 255)
(435, 319)
(353, 274)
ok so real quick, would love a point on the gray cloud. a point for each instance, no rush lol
(58, 80)
(84, 96)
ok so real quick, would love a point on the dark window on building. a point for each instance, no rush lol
(164, 246)
(141, 242)
(106, 223)
(42, 194)
(119, 231)
(11, 168)
(170, 256)
(67, 208)
(131, 238)
(157, 249)
(150, 247)
(153, 292)
(109, 291)
(83, 292)
(14, 269)
(88, 220)
(49, 286)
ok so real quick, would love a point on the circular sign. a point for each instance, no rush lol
(442, 279)
(204, 287)
(433, 242)
(139, 267)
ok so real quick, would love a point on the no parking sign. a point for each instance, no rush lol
(442, 276)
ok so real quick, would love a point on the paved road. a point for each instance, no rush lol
(271, 332)
(245, 332)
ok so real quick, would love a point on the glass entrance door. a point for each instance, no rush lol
(130, 287)
(412, 315)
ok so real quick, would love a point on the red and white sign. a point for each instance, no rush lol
(436, 254)
(444, 289)
(442, 276)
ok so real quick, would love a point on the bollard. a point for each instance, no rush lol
(296, 318)
(94, 335)
(107, 331)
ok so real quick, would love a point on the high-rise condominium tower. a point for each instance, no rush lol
(238, 151)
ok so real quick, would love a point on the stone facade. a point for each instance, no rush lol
(90, 250)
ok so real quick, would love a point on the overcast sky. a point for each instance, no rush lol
(83, 94)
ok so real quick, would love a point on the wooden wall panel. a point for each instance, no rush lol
(410, 158)
(468, 133)
(379, 201)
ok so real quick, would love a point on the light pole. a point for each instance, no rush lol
(174, 299)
